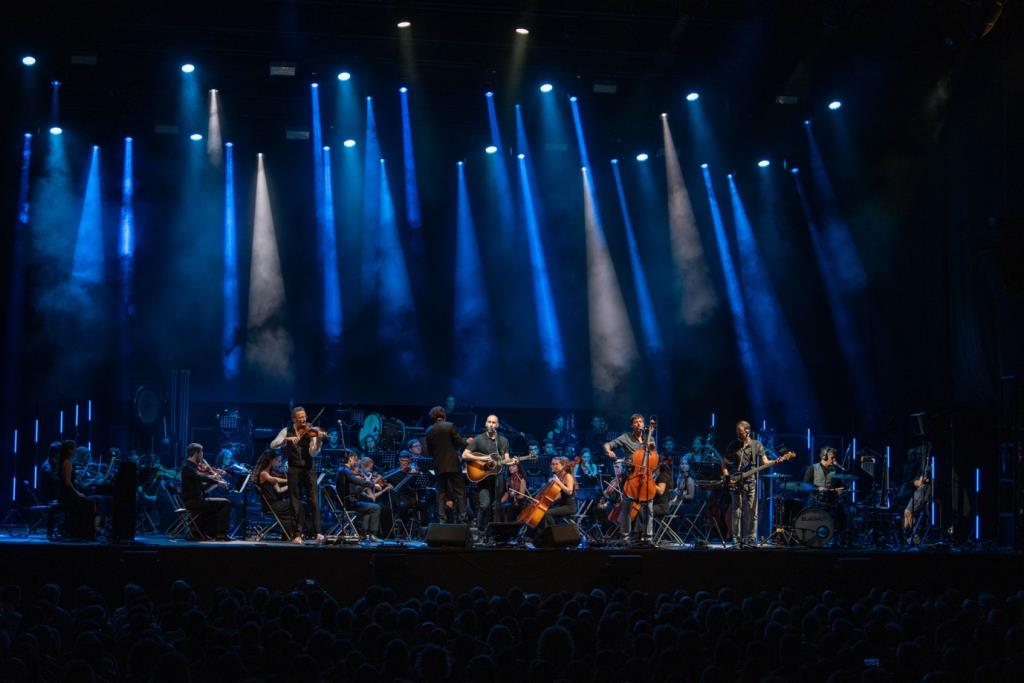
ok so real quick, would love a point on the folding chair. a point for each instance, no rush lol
(344, 521)
(186, 522)
(664, 523)
(259, 530)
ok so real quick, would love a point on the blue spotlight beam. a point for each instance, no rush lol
(15, 302)
(648, 323)
(785, 370)
(544, 304)
(580, 139)
(371, 204)
(748, 358)
(396, 324)
(329, 263)
(231, 333)
(126, 254)
(474, 340)
(412, 197)
(846, 331)
(505, 206)
(89, 262)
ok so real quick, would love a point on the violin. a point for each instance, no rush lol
(218, 474)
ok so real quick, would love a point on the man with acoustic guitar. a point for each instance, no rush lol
(743, 454)
(489, 449)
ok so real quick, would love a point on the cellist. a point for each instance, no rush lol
(629, 443)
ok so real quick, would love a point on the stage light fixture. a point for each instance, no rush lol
(520, 156)
(349, 143)
(703, 165)
(764, 163)
(344, 76)
(794, 170)
(615, 161)
(546, 87)
(403, 89)
(572, 99)
(664, 115)
(807, 122)
(523, 31)
(491, 149)
(188, 68)
(314, 85)
(404, 24)
(195, 137)
(56, 130)
(488, 94)
(835, 104)
(693, 97)
(28, 60)
(642, 156)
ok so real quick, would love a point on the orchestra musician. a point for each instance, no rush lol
(444, 443)
(490, 490)
(663, 487)
(80, 512)
(820, 473)
(352, 485)
(687, 485)
(918, 503)
(586, 467)
(629, 443)
(565, 505)
(301, 443)
(273, 484)
(515, 492)
(743, 454)
(213, 512)
(408, 499)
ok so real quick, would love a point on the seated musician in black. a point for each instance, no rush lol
(352, 486)
(663, 493)
(79, 511)
(214, 513)
(407, 501)
(687, 488)
(273, 484)
(565, 505)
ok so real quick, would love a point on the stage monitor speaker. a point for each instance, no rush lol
(448, 535)
(563, 536)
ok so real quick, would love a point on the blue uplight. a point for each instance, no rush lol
(835, 104)
(764, 163)
(344, 76)
(28, 60)
(692, 97)
(349, 143)
(490, 149)
(642, 156)
(188, 68)
(195, 137)
(546, 87)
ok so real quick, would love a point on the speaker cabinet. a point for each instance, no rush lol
(448, 536)
(563, 536)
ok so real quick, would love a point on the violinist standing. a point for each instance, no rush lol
(301, 443)
(743, 454)
(629, 443)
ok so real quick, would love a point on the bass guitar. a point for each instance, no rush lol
(478, 470)
(734, 480)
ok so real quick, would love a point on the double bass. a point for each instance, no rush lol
(640, 486)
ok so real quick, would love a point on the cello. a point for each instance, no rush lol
(639, 485)
(533, 514)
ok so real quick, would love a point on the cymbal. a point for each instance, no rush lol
(776, 475)
(799, 486)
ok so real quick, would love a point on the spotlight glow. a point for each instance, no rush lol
(664, 115)
(523, 31)
(572, 99)
(520, 156)
(642, 156)
(403, 89)
(28, 60)
(764, 163)
(188, 68)
(56, 130)
(807, 122)
(349, 143)
(490, 149)
(615, 161)
(314, 85)
(546, 87)
(195, 137)
(703, 165)
(693, 97)
(835, 104)
(344, 76)
(488, 94)
(794, 170)
(404, 24)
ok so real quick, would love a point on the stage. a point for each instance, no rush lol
(347, 570)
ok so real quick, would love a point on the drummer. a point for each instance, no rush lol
(820, 473)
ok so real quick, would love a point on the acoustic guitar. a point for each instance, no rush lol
(478, 470)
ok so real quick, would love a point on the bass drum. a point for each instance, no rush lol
(387, 433)
(814, 527)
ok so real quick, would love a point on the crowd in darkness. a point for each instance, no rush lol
(306, 635)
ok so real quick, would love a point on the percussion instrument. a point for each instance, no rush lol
(387, 433)
(814, 526)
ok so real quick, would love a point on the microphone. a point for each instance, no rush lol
(838, 466)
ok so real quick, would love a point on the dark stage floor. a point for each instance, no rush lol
(347, 570)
